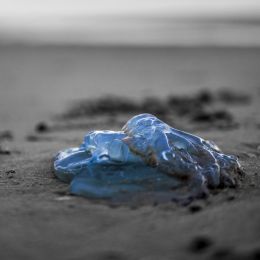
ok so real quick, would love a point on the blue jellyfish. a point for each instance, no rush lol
(147, 155)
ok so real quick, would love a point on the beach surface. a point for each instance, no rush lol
(39, 219)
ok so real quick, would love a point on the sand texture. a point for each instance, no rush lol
(39, 219)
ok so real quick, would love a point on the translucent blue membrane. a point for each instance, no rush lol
(146, 156)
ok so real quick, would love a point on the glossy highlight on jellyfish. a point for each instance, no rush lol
(147, 155)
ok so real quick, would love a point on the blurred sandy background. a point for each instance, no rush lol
(56, 51)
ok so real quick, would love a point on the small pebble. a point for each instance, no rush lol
(42, 127)
(195, 208)
(200, 244)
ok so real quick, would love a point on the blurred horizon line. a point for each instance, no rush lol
(132, 30)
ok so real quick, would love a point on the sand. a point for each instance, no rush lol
(39, 219)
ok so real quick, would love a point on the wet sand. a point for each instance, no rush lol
(39, 219)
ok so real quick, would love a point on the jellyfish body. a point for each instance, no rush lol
(146, 156)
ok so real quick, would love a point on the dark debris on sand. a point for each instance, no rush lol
(205, 108)
(42, 127)
(200, 244)
(230, 97)
(194, 208)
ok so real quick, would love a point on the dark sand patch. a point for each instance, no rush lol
(202, 111)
